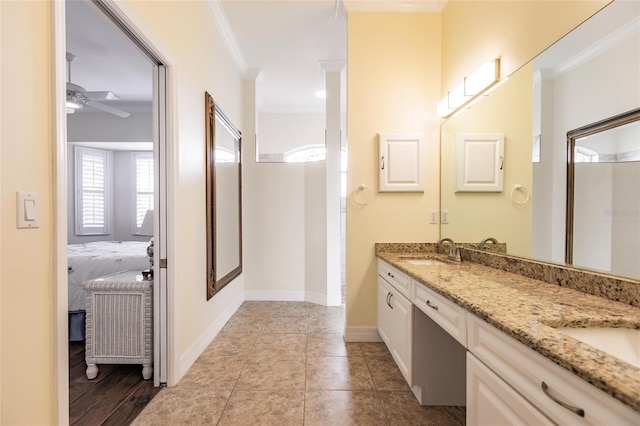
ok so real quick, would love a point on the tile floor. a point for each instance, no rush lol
(286, 363)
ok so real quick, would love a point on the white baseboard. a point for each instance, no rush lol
(196, 349)
(294, 296)
(317, 298)
(283, 296)
(361, 334)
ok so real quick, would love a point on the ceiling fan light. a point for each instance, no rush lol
(73, 104)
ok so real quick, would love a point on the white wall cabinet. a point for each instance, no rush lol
(402, 162)
(395, 318)
(479, 162)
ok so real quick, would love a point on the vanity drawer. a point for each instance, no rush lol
(399, 280)
(526, 370)
(444, 312)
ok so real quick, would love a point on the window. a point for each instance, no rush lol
(92, 171)
(306, 154)
(144, 187)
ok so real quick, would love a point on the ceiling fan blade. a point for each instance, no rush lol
(107, 108)
(101, 95)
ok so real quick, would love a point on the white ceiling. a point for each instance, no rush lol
(106, 58)
(285, 39)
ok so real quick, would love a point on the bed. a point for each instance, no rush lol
(95, 259)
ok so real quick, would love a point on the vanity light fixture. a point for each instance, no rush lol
(470, 88)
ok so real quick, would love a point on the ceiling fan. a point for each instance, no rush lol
(78, 98)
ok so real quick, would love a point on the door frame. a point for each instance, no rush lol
(139, 31)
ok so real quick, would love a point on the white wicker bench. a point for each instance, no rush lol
(119, 322)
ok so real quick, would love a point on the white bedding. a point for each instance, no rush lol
(92, 260)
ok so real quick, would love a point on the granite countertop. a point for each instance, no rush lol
(528, 310)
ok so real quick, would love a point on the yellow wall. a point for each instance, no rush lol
(384, 94)
(476, 215)
(27, 326)
(475, 31)
(393, 85)
(27, 266)
(202, 64)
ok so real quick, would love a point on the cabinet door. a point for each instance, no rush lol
(491, 402)
(479, 162)
(401, 162)
(385, 320)
(402, 312)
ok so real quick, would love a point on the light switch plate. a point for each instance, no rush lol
(433, 217)
(28, 209)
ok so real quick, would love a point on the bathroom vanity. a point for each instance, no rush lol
(503, 342)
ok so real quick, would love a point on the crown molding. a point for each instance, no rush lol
(394, 5)
(597, 48)
(228, 36)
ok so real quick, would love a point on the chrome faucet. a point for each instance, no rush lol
(454, 252)
(484, 242)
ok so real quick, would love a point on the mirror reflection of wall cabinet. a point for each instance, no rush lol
(401, 162)
(223, 198)
(588, 75)
(479, 162)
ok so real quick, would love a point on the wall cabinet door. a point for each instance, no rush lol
(492, 402)
(401, 162)
(479, 162)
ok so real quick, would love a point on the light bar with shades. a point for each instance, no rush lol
(470, 88)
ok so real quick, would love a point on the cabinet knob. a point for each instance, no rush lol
(432, 306)
(578, 411)
(390, 274)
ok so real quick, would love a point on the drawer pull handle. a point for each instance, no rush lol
(390, 274)
(388, 296)
(432, 306)
(578, 411)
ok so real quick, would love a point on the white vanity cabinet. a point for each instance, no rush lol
(445, 313)
(395, 324)
(567, 399)
(492, 402)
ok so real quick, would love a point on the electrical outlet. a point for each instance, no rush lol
(433, 217)
(445, 216)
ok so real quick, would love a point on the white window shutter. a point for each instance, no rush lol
(144, 186)
(92, 171)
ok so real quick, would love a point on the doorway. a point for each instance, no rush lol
(122, 116)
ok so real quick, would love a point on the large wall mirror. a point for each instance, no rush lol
(224, 199)
(589, 75)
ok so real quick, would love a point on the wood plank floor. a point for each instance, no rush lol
(115, 397)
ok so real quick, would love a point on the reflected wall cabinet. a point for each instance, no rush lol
(479, 162)
(401, 162)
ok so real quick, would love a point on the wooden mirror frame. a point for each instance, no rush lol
(572, 137)
(215, 282)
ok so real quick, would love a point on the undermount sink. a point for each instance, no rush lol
(623, 343)
(423, 261)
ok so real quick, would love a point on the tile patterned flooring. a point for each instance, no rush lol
(286, 363)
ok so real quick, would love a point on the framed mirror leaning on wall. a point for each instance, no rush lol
(589, 75)
(223, 198)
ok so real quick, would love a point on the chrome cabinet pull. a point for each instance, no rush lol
(578, 411)
(382, 162)
(432, 306)
(390, 299)
(388, 296)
